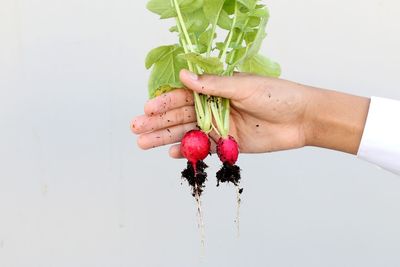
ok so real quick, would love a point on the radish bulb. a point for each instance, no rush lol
(228, 152)
(195, 147)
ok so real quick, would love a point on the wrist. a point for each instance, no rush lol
(335, 120)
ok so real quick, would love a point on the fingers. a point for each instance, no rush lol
(164, 137)
(234, 87)
(175, 151)
(172, 100)
(144, 123)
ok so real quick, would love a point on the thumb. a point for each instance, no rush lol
(232, 87)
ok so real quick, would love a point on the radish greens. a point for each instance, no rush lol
(197, 24)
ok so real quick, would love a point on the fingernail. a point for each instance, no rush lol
(192, 75)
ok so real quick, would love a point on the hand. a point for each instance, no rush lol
(266, 114)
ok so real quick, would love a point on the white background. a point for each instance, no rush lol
(76, 191)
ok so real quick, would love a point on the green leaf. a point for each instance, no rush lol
(206, 36)
(220, 46)
(254, 22)
(210, 65)
(238, 55)
(255, 46)
(247, 20)
(204, 40)
(190, 6)
(196, 22)
(229, 6)
(165, 9)
(249, 37)
(242, 8)
(165, 73)
(157, 54)
(212, 9)
(260, 65)
(241, 20)
(201, 48)
(250, 4)
(261, 12)
(159, 6)
(224, 21)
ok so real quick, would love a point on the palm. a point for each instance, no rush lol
(266, 120)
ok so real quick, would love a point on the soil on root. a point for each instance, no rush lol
(229, 174)
(196, 179)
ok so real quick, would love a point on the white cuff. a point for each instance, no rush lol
(380, 143)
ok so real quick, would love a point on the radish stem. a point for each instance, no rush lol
(230, 35)
(203, 113)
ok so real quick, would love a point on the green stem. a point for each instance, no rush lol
(203, 113)
(226, 40)
(184, 45)
(227, 44)
(226, 120)
(238, 42)
(182, 23)
(225, 105)
(215, 111)
(219, 106)
(214, 28)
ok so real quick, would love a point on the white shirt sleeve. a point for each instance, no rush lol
(380, 143)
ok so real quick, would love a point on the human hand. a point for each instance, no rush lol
(266, 114)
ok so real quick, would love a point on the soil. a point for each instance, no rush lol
(229, 174)
(196, 179)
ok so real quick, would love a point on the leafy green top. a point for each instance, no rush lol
(198, 49)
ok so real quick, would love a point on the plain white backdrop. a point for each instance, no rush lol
(76, 191)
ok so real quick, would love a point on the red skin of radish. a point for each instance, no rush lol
(228, 150)
(195, 146)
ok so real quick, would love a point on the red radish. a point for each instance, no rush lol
(195, 147)
(228, 150)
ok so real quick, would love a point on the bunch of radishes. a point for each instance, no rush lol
(195, 147)
(197, 24)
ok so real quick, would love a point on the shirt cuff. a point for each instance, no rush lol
(380, 143)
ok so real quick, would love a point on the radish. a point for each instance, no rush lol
(228, 153)
(228, 150)
(195, 147)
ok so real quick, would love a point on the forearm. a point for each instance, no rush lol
(335, 120)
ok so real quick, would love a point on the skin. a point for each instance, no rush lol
(266, 115)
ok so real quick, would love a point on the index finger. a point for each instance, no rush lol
(172, 100)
